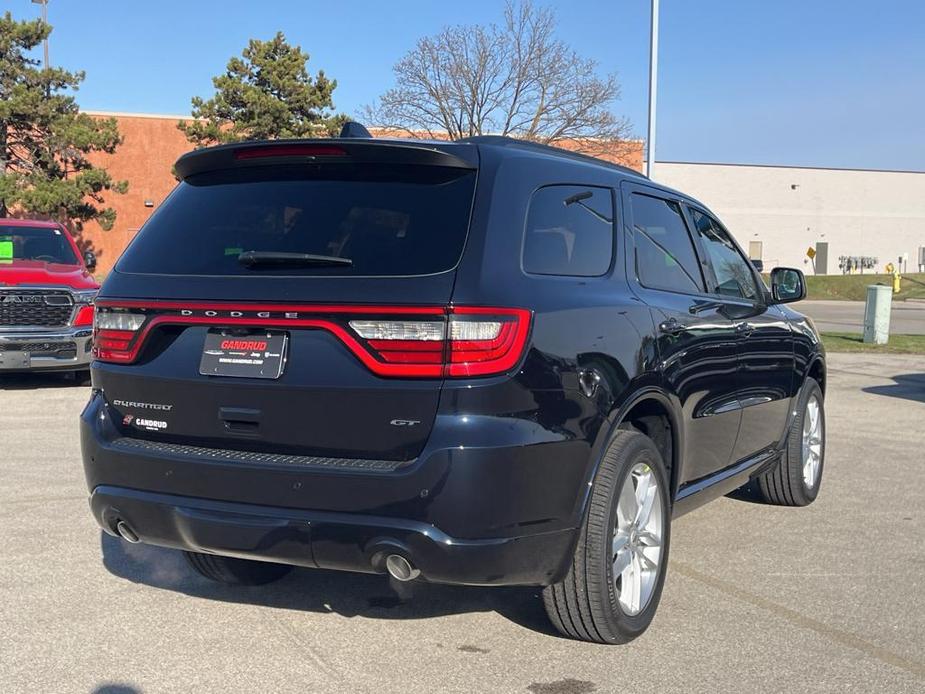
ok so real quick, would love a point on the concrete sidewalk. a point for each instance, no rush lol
(906, 318)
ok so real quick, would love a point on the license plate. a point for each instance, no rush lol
(253, 355)
(15, 360)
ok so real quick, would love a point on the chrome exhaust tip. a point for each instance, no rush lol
(126, 533)
(400, 568)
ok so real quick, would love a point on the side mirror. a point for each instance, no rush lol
(787, 285)
(90, 260)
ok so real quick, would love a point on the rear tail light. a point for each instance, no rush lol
(400, 342)
(470, 342)
(114, 333)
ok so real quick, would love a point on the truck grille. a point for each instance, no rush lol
(38, 347)
(46, 308)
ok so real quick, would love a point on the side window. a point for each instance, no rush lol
(733, 274)
(569, 231)
(665, 256)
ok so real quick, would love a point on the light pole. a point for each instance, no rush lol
(653, 87)
(44, 4)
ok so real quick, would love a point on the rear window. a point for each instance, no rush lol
(388, 220)
(41, 244)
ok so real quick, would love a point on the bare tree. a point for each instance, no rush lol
(516, 80)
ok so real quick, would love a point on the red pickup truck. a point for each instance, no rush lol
(46, 298)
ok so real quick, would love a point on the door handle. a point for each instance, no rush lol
(744, 329)
(671, 326)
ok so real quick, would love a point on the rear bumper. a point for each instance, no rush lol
(502, 514)
(62, 350)
(314, 539)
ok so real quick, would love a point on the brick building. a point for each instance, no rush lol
(152, 143)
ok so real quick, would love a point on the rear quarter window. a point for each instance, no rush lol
(569, 231)
(388, 220)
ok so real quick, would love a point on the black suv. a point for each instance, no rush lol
(483, 362)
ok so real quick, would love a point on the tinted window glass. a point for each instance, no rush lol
(733, 274)
(665, 257)
(569, 231)
(41, 244)
(390, 220)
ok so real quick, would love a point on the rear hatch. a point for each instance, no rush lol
(291, 298)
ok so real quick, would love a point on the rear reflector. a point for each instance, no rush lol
(289, 151)
(392, 341)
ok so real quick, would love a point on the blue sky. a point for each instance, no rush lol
(800, 82)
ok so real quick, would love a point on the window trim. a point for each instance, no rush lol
(615, 215)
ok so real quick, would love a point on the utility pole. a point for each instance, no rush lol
(44, 4)
(653, 87)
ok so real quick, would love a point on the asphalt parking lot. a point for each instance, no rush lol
(758, 599)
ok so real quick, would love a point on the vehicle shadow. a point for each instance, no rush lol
(906, 386)
(114, 688)
(321, 591)
(36, 381)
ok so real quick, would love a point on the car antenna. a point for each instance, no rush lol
(354, 129)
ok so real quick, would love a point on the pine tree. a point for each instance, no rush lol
(265, 94)
(45, 140)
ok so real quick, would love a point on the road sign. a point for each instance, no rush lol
(810, 252)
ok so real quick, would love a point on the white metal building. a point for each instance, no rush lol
(778, 212)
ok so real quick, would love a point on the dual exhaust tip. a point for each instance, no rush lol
(398, 567)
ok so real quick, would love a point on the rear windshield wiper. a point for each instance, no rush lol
(253, 259)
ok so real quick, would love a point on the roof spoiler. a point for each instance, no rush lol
(335, 151)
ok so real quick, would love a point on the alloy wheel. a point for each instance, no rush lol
(812, 442)
(637, 539)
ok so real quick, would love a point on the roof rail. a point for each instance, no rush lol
(505, 141)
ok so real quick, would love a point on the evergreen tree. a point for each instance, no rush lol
(45, 140)
(265, 94)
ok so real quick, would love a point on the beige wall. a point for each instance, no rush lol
(859, 213)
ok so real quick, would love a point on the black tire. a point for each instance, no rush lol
(585, 604)
(241, 572)
(784, 485)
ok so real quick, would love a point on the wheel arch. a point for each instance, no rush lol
(651, 411)
(817, 371)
